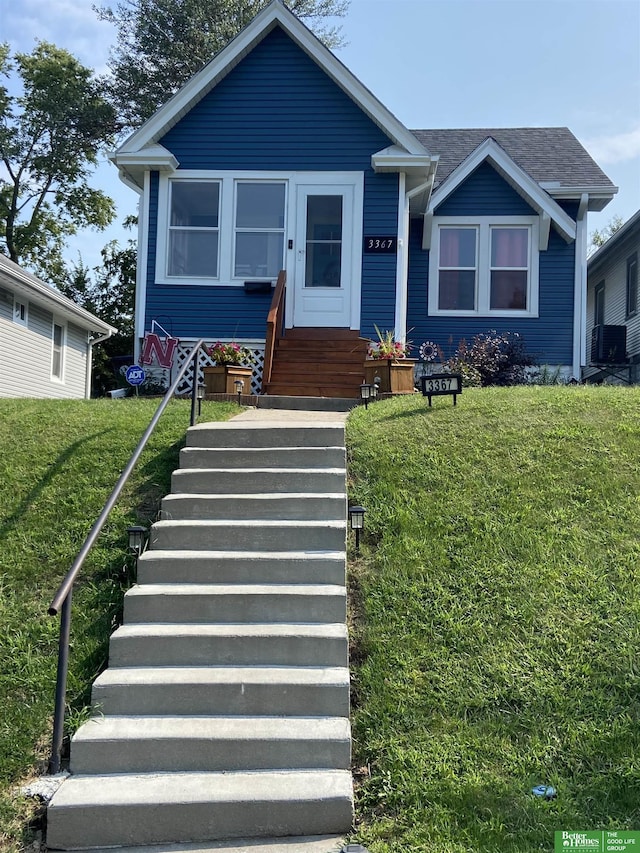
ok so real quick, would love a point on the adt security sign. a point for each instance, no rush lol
(135, 375)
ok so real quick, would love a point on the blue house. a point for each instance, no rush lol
(275, 157)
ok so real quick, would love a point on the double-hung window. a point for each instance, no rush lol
(220, 228)
(57, 354)
(484, 267)
(194, 216)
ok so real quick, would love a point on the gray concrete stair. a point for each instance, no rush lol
(251, 534)
(120, 809)
(262, 457)
(227, 644)
(236, 690)
(224, 713)
(162, 744)
(186, 566)
(213, 481)
(270, 506)
(204, 603)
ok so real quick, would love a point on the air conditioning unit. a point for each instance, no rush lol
(609, 344)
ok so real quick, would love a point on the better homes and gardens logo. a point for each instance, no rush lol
(600, 841)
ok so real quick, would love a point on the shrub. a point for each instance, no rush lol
(492, 359)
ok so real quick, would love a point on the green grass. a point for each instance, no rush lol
(59, 462)
(496, 613)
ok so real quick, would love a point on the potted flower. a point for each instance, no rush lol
(232, 363)
(387, 359)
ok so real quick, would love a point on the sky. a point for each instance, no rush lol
(438, 64)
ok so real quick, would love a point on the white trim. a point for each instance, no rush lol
(275, 14)
(580, 291)
(598, 197)
(141, 266)
(515, 176)
(545, 229)
(228, 180)
(402, 260)
(483, 248)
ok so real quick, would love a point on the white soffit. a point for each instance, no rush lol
(275, 14)
(524, 185)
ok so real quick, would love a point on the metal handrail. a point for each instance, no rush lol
(62, 598)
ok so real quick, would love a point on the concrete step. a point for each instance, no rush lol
(248, 434)
(225, 567)
(278, 506)
(169, 744)
(237, 644)
(217, 481)
(226, 690)
(228, 603)
(249, 535)
(264, 457)
(124, 809)
(289, 844)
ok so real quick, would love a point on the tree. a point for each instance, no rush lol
(162, 43)
(108, 291)
(599, 238)
(50, 136)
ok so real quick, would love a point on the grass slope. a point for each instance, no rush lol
(59, 462)
(496, 605)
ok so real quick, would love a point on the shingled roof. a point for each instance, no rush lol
(546, 154)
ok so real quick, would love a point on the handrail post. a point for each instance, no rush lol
(62, 599)
(61, 685)
(194, 385)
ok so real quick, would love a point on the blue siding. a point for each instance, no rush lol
(549, 337)
(484, 193)
(276, 110)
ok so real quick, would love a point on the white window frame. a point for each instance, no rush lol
(63, 346)
(190, 228)
(228, 182)
(242, 230)
(20, 312)
(483, 226)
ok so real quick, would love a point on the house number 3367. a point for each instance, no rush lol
(380, 244)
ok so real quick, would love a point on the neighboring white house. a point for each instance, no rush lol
(46, 339)
(613, 306)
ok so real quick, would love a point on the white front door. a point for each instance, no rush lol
(327, 256)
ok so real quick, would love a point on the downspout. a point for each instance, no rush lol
(402, 261)
(580, 290)
(91, 342)
(141, 265)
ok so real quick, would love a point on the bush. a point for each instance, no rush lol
(492, 359)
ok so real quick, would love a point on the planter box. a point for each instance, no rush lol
(396, 376)
(220, 379)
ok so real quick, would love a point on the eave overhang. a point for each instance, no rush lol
(419, 171)
(538, 198)
(272, 16)
(599, 197)
(23, 283)
(133, 164)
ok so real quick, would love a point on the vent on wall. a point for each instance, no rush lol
(609, 344)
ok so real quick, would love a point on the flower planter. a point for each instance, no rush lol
(220, 379)
(396, 376)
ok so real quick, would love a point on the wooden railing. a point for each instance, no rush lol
(275, 320)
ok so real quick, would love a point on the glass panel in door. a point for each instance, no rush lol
(323, 267)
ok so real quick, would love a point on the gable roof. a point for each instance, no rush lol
(273, 15)
(551, 156)
(28, 286)
(630, 228)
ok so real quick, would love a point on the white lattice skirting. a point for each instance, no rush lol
(164, 377)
